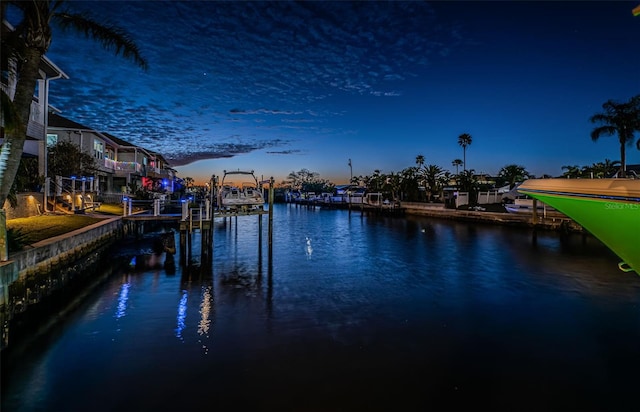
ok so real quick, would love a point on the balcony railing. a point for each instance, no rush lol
(129, 167)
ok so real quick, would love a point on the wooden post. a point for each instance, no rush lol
(271, 196)
(188, 255)
(260, 237)
(183, 242)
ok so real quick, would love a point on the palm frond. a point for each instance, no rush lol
(109, 36)
(602, 131)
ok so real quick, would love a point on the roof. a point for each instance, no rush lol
(55, 120)
(117, 140)
(60, 122)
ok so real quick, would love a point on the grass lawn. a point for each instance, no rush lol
(110, 209)
(37, 228)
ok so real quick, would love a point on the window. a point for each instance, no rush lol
(98, 149)
(52, 140)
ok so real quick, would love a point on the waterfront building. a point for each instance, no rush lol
(120, 165)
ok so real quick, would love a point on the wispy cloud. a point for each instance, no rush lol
(269, 61)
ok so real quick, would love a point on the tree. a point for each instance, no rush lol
(469, 183)
(307, 181)
(409, 184)
(622, 119)
(433, 177)
(188, 182)
(457, 163)
(464, 140)
(604, 169)
(572, 171)
(67, 159)
(31, 39)
(512, 174)
(420, 172)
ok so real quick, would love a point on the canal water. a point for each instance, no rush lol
(354, 313)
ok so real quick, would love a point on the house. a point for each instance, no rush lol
(34, 146)
(35, 143)
(120, 165)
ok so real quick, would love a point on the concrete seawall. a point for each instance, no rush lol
(548, 222)
(46, 266)
(52, 253)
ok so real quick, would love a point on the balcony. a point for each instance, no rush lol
(124, 167)
(159, 172)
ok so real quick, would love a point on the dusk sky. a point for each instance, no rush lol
(280, 86)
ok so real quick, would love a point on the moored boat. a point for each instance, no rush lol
(240, 195)
(525, 206)
(608, 208)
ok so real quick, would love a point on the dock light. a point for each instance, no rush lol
(84, 178)
(73, 178)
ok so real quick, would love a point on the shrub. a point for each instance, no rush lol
(16, 239)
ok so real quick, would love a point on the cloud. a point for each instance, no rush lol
(183, 157)
(263, 59)
(286, 152)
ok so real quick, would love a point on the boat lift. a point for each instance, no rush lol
(202, 218)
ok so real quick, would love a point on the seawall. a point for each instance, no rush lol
(554, 221)
(45, 267)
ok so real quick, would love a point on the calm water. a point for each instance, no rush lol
(356, 313)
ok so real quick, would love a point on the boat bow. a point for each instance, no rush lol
(608, 208)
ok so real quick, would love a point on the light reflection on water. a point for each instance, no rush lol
(182, 314)
(122, 300)
(354, 313)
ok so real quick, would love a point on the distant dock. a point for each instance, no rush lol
(554, 221)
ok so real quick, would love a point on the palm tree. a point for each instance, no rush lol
(33, 35)
(420, 171)
(468, 182)
(433, 175)
(512, 174)
(622, 119)
(457, 163)
(464, 140)
(572, 171)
